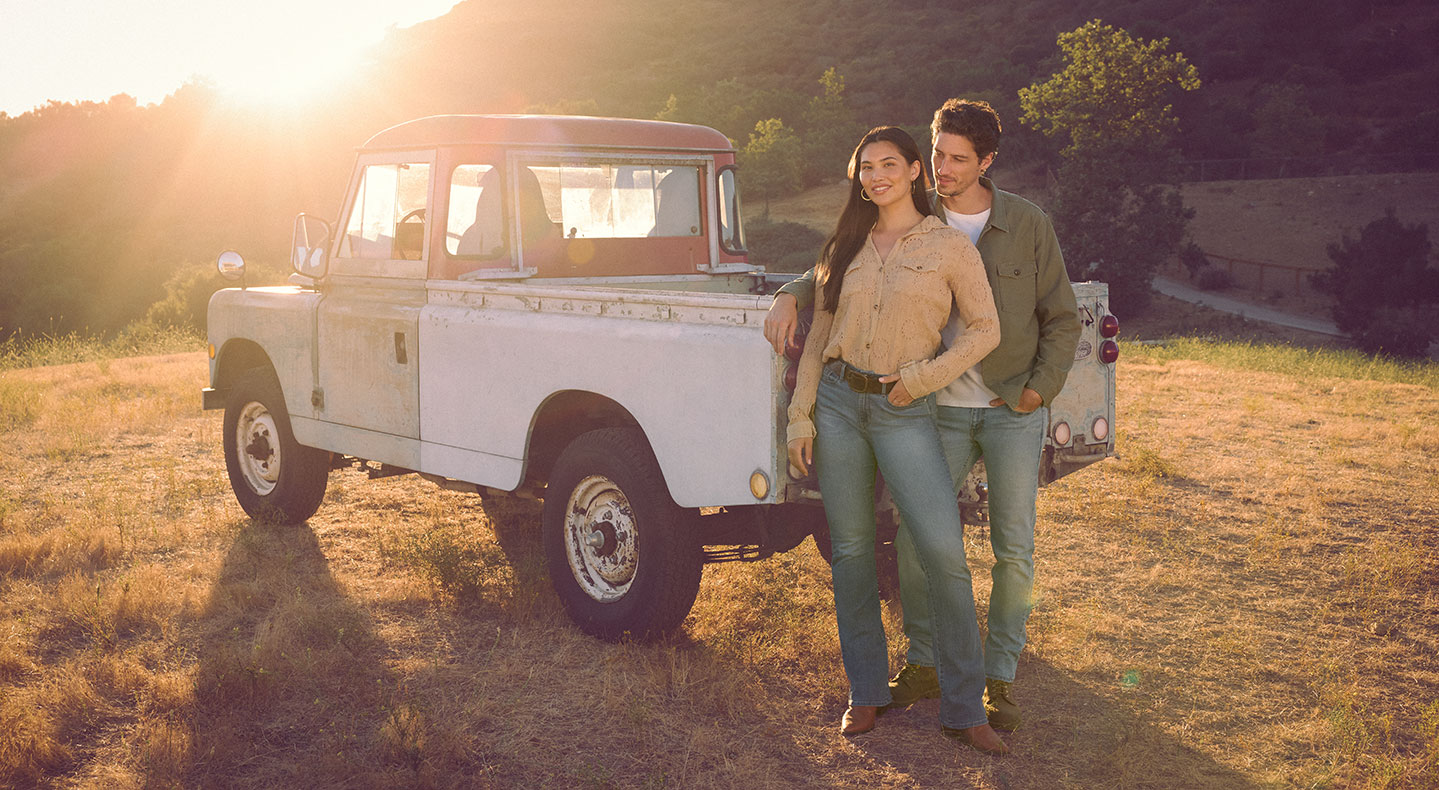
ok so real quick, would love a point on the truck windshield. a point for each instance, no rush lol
(387, 221)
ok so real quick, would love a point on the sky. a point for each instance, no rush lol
(262, 50)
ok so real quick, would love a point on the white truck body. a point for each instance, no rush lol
(629, 402)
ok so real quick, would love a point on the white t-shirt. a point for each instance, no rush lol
(968, 389)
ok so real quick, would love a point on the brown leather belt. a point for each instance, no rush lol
(867, 383)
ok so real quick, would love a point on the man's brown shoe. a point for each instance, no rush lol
(859, 719)
(1003, 713)
(912, 684)
(982, 738)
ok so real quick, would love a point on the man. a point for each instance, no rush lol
(997, 409)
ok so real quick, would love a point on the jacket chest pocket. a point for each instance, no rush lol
(1014, 286)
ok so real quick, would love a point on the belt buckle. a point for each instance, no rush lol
(856, 380)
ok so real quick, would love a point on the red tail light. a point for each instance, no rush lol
(795, 350)
(1108, 352)
(1108, 326)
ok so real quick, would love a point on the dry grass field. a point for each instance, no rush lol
(1245, 598)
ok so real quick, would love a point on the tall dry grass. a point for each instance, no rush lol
(1245, 598)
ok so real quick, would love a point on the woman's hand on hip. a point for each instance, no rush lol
(899, 396)
(801, 454)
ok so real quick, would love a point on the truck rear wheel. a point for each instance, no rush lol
(620, 555)
(275, 478)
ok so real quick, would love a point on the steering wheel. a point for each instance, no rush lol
(410, 235)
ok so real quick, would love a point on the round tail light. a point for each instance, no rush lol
(1100, 429)
(1061, 434)
(1108, 352)
(1108, 326)
(795, 350)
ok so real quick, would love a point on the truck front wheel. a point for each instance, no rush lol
(621, 557)
(275, 478)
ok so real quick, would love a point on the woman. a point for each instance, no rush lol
(886, 282)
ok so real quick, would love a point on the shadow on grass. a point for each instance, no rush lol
(296, 689)
(1072, 737)
(291, 690)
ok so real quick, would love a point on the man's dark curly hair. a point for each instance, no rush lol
(975, 120)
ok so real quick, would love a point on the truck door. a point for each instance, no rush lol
(367, 371)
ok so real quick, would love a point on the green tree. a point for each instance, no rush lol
(671, 111)
(1117, 207)
(829, 131)
(770, 163)
(1385, 294)
(1114, 89)
(1284, 123)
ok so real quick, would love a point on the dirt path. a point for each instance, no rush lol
(1186, 293)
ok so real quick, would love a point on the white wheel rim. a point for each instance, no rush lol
(257, 448)
(600, 537)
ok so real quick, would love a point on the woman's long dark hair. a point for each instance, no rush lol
(859, 215)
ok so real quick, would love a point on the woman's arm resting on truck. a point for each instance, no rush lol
(783, 318)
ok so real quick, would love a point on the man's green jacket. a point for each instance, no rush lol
(1038, 319)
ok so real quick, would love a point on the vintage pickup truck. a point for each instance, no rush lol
(557, 308)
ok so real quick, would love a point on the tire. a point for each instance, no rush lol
(621, 555)
(276, 479)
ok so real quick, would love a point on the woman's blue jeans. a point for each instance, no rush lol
(857, 434)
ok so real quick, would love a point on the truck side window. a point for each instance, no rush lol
(731, 232)
(387, 221)
(476, 225)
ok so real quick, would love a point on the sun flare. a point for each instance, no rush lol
(258, 61)
(288, 72)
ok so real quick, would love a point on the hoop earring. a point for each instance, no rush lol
(863, 195)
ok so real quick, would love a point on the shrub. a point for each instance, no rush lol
(1385, 294)
(783, 246)
(1401, 331)
(1193, 258)
(796, 262)
(1213, 278)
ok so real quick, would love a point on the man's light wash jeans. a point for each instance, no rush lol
(1011, 444)
(857, 433)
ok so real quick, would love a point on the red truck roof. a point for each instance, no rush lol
(568, 131)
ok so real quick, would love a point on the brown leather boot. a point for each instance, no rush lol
(1000, 705)
(982, 738)
(858, 719)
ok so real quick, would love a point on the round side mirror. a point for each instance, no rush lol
(230, 265)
